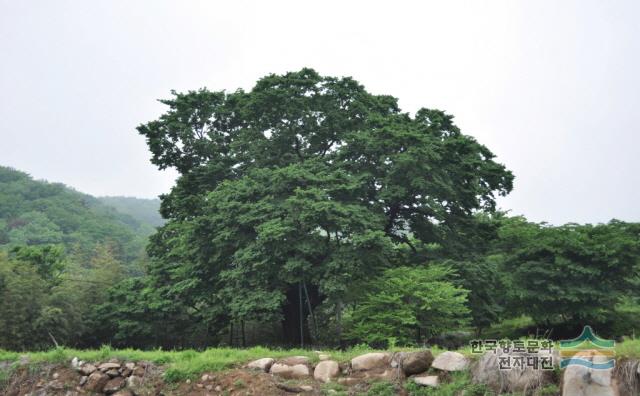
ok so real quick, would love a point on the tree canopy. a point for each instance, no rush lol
(305, 182)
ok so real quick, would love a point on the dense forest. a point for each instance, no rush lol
(307, 211)
(60, 251)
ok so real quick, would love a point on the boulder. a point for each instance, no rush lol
(427, 380)
(139, 371)
(326, 370)
(583, 381)
(114, 385)
(75, 363)
(371, 360)
(451, 361)
(112, 373)
(293, 360)
(296, 371)
(123, 392)
(83, 380)
(580, 380)
(417, 362)
(487, 371)
(130, 365)
(96, 381)
(263, 364)
(87, 369)
(108, 366)
(388, 374)
(136, 384)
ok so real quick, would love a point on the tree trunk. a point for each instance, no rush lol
(291, 319)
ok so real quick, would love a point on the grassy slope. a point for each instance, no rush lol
(191, 363)
(181, 364)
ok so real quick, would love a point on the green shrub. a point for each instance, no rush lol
(409, 305)
(382, 389)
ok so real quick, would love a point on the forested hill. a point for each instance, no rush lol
(34, 212)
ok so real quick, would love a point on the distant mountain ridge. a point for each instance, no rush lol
(145, 211)
(36, 212)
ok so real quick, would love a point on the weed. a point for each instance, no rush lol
(382, 389)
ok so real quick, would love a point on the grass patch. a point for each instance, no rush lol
(629, 348)
(334, 389)
(382, 389)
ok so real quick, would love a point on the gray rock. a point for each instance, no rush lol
(96, 381)
(139, 371)
(263, 364)
(297, 371)
(87, 369)
(451, 361)
(371, 360)
(487, 371)
(427, 380)
(114, 385)
(293, 360)
(83, 380)
(417, 362)
(112, 373)
(585, 381)
(108, 366)
(123, 392)
(326, 370)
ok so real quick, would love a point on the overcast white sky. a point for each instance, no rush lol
(551, 87)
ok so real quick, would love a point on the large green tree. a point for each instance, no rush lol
(304, 185)
(572, 275)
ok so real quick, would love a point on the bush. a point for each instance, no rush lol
(409, 305)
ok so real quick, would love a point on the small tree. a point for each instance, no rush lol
(410, 305)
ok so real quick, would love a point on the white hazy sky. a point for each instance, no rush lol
(551, 87)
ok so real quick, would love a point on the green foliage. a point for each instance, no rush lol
(304, 182)
(410, 305)
(574, 274)
(38, 213)
(47, 299)
(382, 388)
(60, 252)
(334, 389)
(549, 390)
